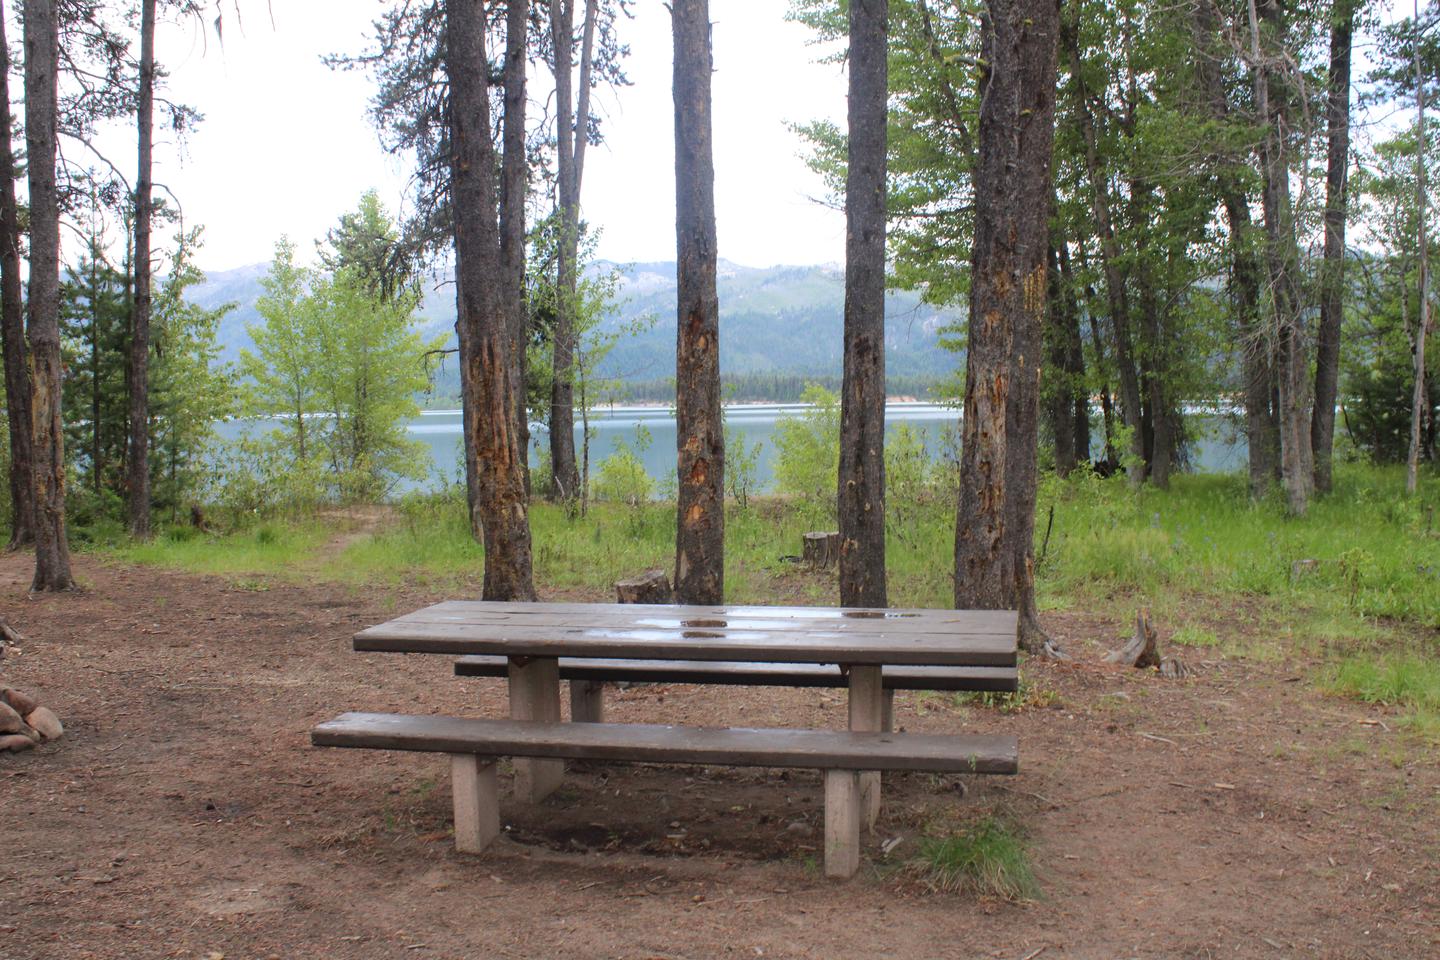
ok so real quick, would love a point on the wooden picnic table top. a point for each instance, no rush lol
(727, 632)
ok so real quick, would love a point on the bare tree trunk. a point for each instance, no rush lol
(1074, 357)
(571, 126)
(514, 191)
(1332, 282)
(861, 499)
(994, 533)
(12, 332)
(42, 51)
(1297, 466)
(480, 276)
(137, 495)
(1060, 317)
(700, 440)
(1422, 209)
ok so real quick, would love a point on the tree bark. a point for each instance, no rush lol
(137, 495)
(571, 126)
(994, 533)
(514, 191)
(12, 332)
(861, 498)
(1074, 357)
(1297, 466)
(700, 441)
(492, 412)
(1332, 277)
(1419, 401)
(1061, 401)
(42, 52)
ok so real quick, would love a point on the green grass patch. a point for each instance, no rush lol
(988, 858)
(1407, 680)
(272, 548)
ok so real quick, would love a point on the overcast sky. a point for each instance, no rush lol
(286, 146)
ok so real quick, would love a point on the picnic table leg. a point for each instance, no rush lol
(535, 695)
(867, 713)
(587, 701)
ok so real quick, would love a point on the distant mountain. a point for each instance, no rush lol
(781, 319)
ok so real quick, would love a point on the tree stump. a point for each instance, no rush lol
(820, 551)
(652, 586)
(1142, 650)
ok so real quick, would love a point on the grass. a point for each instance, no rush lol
(1202, 543)
(1407, 680)
(988, 858)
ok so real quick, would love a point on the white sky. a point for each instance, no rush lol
(286, 146)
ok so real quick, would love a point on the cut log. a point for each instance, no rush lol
(653, 586)
(1142, 651)
(820, 551)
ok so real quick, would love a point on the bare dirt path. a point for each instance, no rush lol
(1239, 814)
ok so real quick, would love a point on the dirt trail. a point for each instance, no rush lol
(1239, 814)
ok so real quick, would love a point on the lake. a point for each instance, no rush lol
(1217, 450)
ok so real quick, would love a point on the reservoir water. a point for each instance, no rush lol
(1216, 449)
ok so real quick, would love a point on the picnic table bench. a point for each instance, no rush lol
(535, 645)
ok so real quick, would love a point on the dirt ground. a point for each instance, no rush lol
(1236, 814)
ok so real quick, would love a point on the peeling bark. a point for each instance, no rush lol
(492, 413)
(700, 442)
(52, 548)
(994, 533)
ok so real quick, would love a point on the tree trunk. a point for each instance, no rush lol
(1061, 402)
(42, 51)
(514, 191)
(1262, 440)
(1419, 402)
(12, 332)
(994, 533)
(1332, 282)
(571, 126)
(861, 501)
(1074, 357)
(700, 441)
(1115, 280)
(137, 497)
(1297, 466)
(492, 411)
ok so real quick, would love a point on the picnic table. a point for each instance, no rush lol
(723, 644)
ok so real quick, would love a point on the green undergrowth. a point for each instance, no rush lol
(1408, 680)
(1202, 555)
(987, 858)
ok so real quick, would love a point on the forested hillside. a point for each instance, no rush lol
(783, 320)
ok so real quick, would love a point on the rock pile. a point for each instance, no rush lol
(23, 722)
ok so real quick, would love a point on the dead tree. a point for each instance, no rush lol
(700, 440)
(994, 531)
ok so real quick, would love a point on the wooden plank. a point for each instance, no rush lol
(535, 696)
(732, 673)
(867, 715)
(587, 701)
(476, 792)
(651, 743)
(665, 616)
(842, 824)
(755, 674)
(651, 644)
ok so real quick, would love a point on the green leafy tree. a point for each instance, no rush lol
(281, 371)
